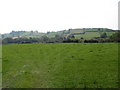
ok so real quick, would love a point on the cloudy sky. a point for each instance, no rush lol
(54, 15)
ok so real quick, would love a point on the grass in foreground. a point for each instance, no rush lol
(68, 65)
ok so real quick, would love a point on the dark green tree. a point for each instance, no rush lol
(103, 35)
(115, 37)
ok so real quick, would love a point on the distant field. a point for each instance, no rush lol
(90, 35)
(62, 65)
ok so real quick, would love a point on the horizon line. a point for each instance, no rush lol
(54, 31)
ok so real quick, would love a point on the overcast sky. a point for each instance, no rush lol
(54, 15)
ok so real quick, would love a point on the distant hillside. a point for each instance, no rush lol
(86, 33)
(22, 34)
(90, 33)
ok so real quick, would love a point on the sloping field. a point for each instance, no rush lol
(62, 65)
(91, 35)
(76, 31)
(88, 35)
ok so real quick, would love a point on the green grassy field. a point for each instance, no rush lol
(60, 65)
(91, 35)
(88, 35)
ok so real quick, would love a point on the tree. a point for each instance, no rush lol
(7, 40)
(71, 37)
(103, 35)
(115, 37)
(48, 32)
(59, 38)
(82, 39)
(45, 39)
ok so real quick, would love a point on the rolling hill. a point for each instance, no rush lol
(86, 33)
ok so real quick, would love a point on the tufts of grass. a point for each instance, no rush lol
(60, 65)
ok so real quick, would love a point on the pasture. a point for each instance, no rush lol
(91, 35)
(88, 35)
(60, 65)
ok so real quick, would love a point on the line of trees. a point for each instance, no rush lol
(60, 39)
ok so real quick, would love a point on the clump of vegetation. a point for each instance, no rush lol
(115, 37)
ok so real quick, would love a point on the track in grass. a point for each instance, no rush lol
(60, 65)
